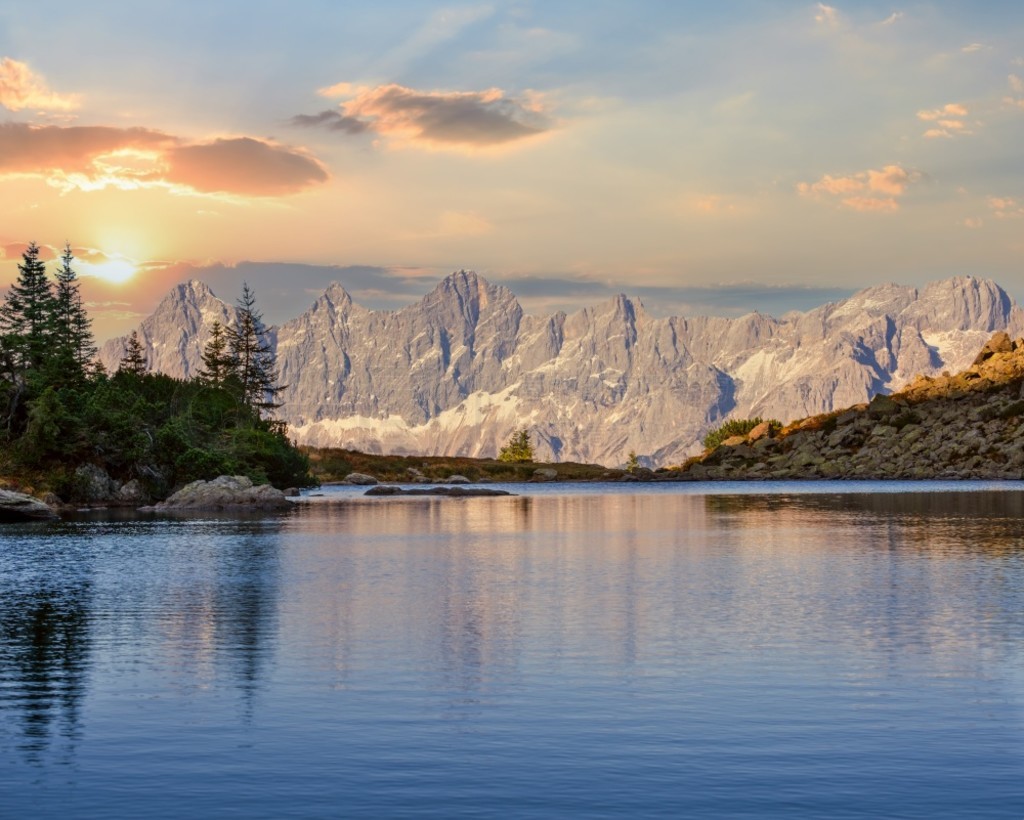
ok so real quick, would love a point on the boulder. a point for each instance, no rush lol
(92, 484)
(734, 441)
(457, 479)
(21, 507)
(132, 492)
(545, 474)
(882, 405)
(225, 493)
(359, 479)
(760, 431)
(999, 343)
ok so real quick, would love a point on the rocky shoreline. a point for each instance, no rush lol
(964, 426)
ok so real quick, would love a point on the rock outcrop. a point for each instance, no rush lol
(968, 425)
(16, 507)
(457, 372)
(235, 493)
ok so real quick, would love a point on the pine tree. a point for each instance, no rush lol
(519, 449)
(134, 359)
(254, 360)
(73, 346)
(26, 316)
(218, 363)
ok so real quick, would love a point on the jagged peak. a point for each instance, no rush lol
(336, 294)
(469, 287)
(193, 291)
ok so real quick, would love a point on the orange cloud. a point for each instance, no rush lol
(876, 189)
(1004, 207)
(21, 88)
(96, 157)
(438, 119)
(947, 120)
(243, 165)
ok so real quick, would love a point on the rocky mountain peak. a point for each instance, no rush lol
(456, 372)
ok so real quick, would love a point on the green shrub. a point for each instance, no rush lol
(736, 427)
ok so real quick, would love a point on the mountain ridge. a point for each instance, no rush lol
(454, 373)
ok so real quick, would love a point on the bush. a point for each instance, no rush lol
(736, 427)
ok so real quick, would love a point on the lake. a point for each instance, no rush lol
(730, 650)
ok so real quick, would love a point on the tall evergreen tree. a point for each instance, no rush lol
(73, 345)
(254, 359)
(134, 359)
(26, 316)
(218, 363)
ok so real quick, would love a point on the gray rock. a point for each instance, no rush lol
(20, 507)
(359, 479)
(225, 493)
(92, 484)
(451, 492)
(457, 479)
(545, 474)
(132, 492)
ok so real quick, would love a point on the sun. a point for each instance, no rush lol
(115, 269)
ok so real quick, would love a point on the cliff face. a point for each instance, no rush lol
(970, 425)
(457, 372)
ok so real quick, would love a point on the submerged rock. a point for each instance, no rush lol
(458, 492)
(21, 507)
(225, 493)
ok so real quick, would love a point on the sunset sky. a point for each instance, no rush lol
(708, 158)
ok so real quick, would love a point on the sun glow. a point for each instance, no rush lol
(115, 270)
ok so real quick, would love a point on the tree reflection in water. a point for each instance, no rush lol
(44, 660)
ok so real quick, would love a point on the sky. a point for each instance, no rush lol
(707, 158)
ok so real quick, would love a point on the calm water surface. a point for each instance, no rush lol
(822, 650)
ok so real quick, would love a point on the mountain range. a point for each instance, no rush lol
(457, 372)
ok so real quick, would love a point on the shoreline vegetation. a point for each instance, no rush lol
(72, 433)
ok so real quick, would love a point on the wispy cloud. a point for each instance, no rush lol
(436, 119)
(1004, 207)
(827, 16)
(946, 121)
(96, 157)
(21, 88)
(865, 191)
(895, 17)
(1016, 98)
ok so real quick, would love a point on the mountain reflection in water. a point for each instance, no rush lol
(642, 652)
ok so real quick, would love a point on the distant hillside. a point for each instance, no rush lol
(457, 372)
(968, 425)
